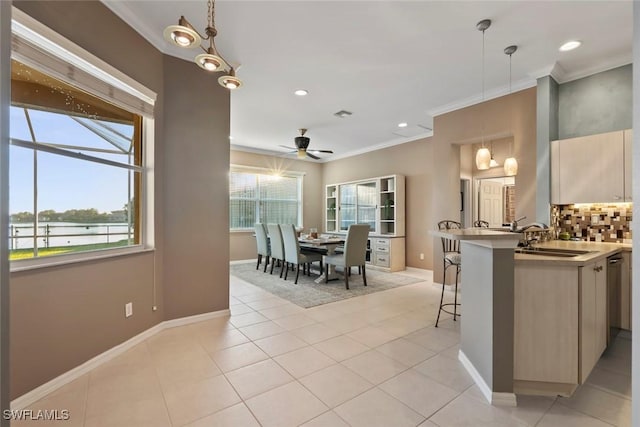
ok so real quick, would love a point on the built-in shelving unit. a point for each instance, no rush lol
(378, 202)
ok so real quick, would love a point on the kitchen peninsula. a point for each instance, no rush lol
(536, 322)
(486, 338)
(561, 315)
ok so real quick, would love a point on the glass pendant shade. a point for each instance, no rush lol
(210, 62)
(483, 158)
(182, 36)
(230, 82)
(493, 163)
(511, 166)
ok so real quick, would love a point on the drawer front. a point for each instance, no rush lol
(381, 242)
(382, 260)
(382, 249)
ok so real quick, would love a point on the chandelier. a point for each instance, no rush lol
(185, 35)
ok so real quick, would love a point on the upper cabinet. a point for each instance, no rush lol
(377, 201)
(591, 169)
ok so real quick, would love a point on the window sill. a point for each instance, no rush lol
(67, 259)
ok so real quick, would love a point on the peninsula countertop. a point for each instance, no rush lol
(476, 234)
(595, 252)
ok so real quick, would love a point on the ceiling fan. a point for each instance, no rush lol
(302, 143)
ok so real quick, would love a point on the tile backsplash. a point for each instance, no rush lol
(596, 222)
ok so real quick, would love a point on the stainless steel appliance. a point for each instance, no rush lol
(614, 285)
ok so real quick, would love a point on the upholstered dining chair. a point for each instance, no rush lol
(355, 253)
(263, 245)
(277, 246)
(450, 258)
(292, 253)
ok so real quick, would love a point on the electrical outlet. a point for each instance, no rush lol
(128, 309)
(421, 256)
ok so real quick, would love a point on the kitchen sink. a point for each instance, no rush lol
(554, 252)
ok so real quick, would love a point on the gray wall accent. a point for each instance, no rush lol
(547, 130)
(63, 316)
(635, 359)
(596, 104)
(5, 85)
(196, 204)
(487, 335)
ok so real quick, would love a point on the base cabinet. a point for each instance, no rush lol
(560, 326)
(625, 292)
(387, 253)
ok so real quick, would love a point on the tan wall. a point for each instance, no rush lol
(512, 115)
(243, 244)
(196, 191)
(63, 316)
(412, 161)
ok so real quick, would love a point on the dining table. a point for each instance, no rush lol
(327, 243)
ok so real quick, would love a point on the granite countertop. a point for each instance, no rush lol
(597, 251)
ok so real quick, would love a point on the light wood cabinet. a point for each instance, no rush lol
(589, 169)
(593, 316)
(560, 326)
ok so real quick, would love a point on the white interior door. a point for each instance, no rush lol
(491, 203)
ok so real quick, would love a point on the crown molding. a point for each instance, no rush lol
(477, 99)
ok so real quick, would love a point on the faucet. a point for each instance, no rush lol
(513, 227)
(534, 224)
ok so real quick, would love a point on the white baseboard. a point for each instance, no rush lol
(494, 398)
(75, 373)
(243, 261)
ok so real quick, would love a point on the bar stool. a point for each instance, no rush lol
(450, 258)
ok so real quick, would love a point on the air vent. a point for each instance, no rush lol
(343, 113)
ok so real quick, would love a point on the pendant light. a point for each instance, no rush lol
(483, 156)
(185, 35)
(510, 164)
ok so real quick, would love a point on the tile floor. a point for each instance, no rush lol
(374, 360)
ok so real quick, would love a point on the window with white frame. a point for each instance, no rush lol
(77, 169)
(256, 195)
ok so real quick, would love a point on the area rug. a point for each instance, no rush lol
(307, 293)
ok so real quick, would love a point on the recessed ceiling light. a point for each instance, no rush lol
(230, 137)
(570, 45)
(301, 92)
(402, 125)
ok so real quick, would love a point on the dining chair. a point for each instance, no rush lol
(450, 258)
(277, 246)
(263, 245)
(481, 223)
(355, 253)
(292, 253)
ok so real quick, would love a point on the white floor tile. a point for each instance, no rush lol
(304, 361)
(341, 348)
(375, 408)
(286, 406)
(560, 415)
(236, 357)
(374, 366)
(335, 385)
(237, 415)
(254, 379)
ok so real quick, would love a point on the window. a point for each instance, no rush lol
(260, 196)
(77, 167)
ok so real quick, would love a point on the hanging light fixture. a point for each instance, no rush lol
(510, 164)
(492, 162)
(483, 156)
(185, 35)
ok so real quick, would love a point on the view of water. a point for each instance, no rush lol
(52, 234)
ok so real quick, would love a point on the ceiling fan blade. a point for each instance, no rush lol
(288, 148)
(313, 156)
(323, 151)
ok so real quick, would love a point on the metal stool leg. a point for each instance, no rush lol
(444, 279)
